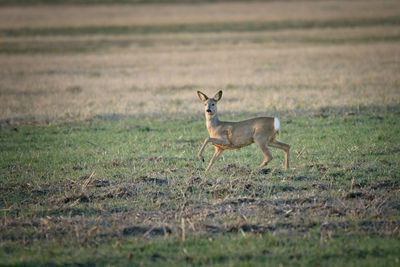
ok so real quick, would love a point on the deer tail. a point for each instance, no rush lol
(276, 125)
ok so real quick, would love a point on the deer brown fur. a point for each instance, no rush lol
(231, 135)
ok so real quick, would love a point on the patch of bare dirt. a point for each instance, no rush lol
(235, 169)
(152, 180)
(146, 231)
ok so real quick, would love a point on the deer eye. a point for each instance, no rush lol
(212, 105)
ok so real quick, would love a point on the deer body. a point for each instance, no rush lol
(233, 135)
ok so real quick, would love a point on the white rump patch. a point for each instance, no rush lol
(276, 124)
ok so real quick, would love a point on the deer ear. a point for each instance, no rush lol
(202, 96)
(218, 96)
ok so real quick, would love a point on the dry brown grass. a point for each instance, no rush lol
(158, 74)
(81, 15)
(38, 87)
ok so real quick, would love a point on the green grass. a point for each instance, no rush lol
(115, 191)
(224, 250)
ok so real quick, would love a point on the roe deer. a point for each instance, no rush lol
(231, 135)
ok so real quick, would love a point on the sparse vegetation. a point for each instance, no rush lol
(100, 131)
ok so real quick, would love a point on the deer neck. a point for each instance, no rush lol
(212, 122)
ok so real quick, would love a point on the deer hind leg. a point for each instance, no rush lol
(284, 147)
(214, 157)
(262, 143)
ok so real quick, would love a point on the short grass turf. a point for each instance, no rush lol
(131, 191)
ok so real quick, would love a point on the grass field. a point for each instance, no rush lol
(100, 125)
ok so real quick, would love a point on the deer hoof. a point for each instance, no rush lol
(201, 158)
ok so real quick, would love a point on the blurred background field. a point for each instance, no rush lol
(65, 61)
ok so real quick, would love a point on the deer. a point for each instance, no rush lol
(233, 135)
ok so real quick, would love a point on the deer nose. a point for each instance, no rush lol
(208, 110)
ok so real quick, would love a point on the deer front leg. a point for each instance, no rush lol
(217, 141)
(214, 158)
(199, 155)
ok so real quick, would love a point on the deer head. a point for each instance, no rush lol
(210, 104)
